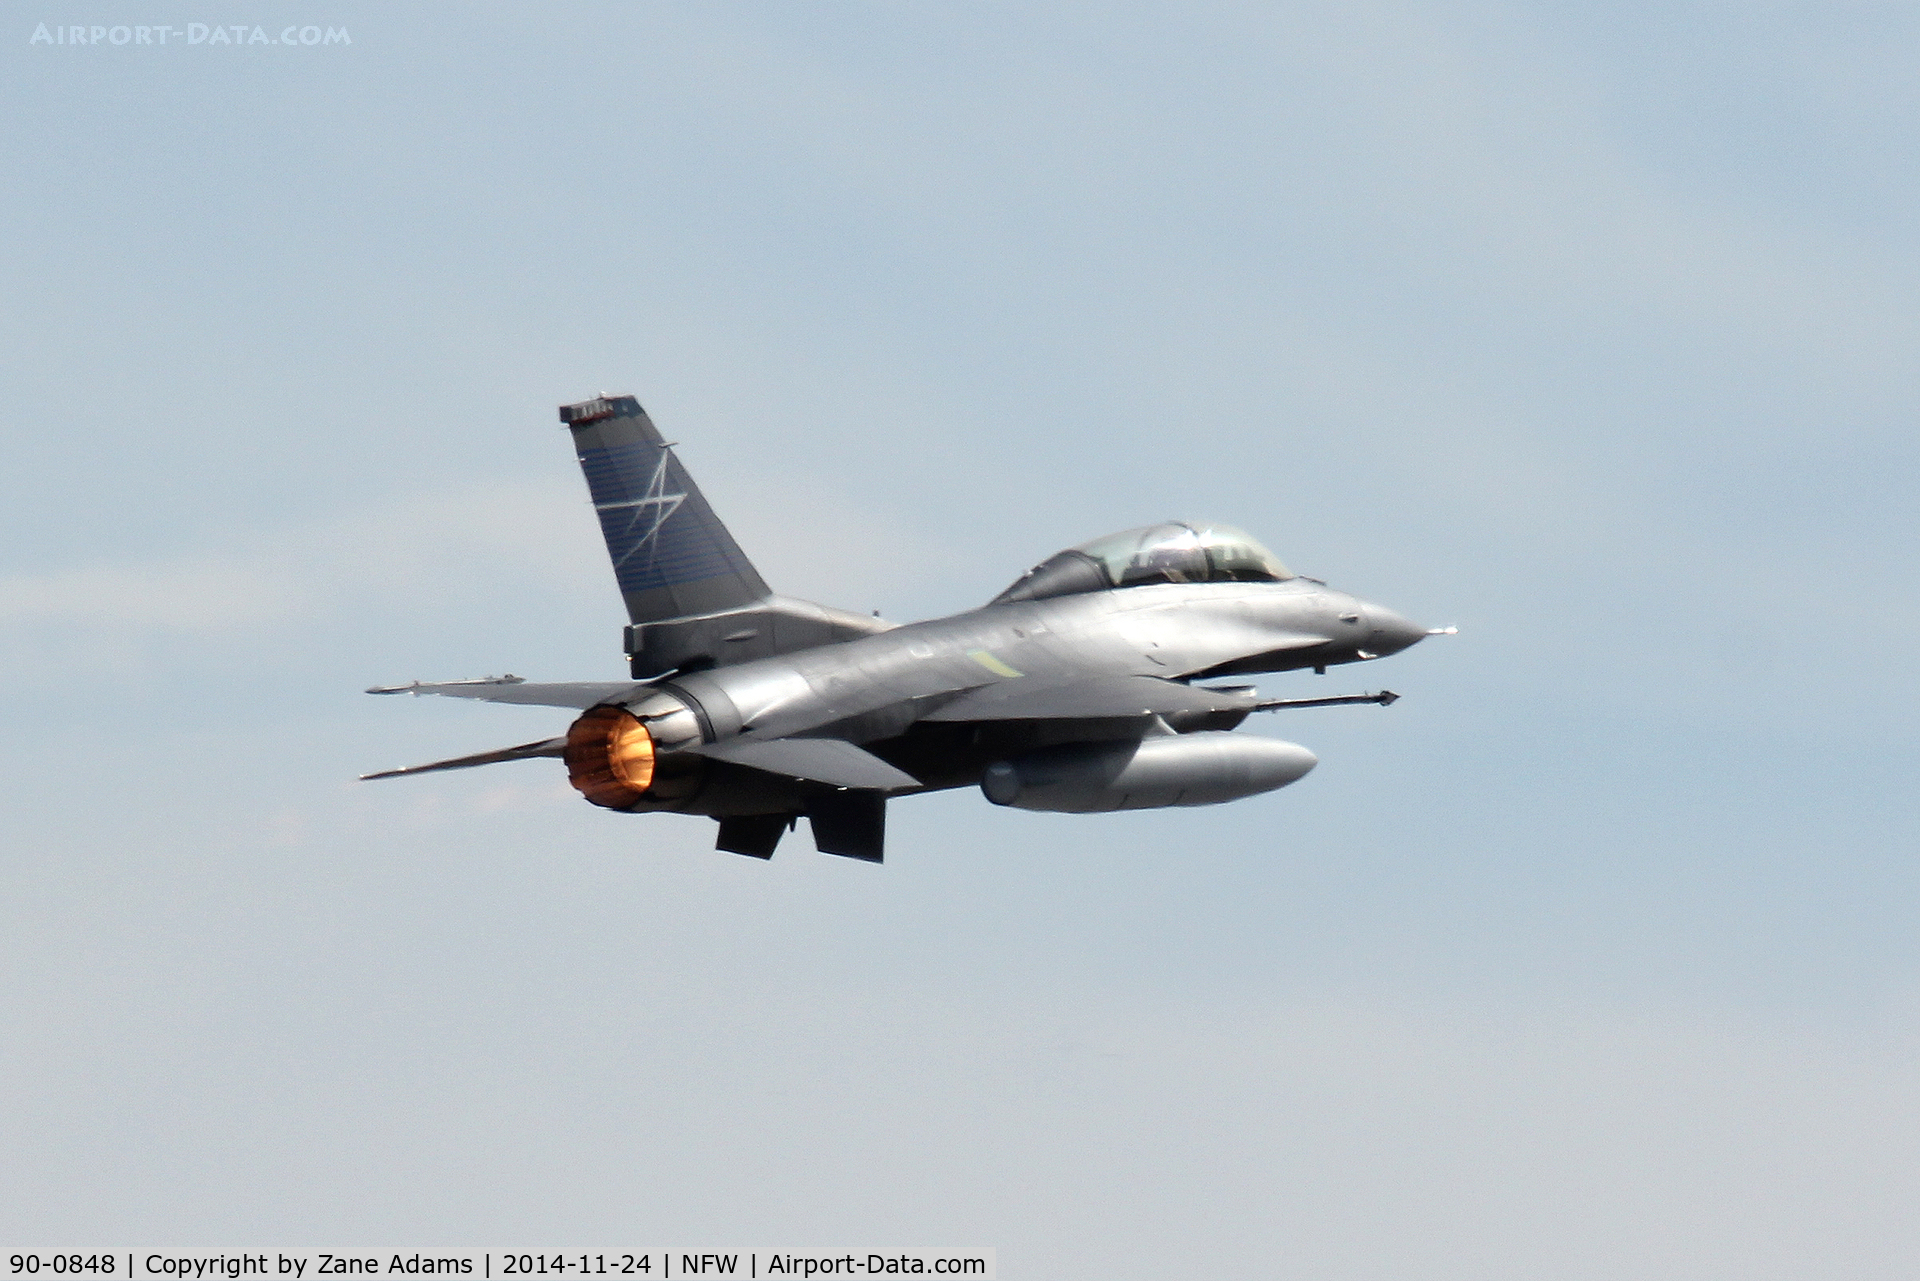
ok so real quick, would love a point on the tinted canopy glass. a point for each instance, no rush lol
(1172, 553)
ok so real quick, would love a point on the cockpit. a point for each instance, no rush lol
(1172, 553)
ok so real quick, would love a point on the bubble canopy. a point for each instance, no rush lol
(1175, 552)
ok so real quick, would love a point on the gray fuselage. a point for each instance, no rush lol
(879, 690)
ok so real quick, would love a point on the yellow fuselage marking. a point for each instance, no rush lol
(991, 663)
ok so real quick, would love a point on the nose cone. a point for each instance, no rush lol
(1391, 632)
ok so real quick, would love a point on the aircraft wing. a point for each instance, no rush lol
(515, 689)
(820, 760)
(1098, 697)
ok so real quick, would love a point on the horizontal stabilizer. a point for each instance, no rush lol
(818, 760)
(515, 689)
(1099, 698)
(524, 752)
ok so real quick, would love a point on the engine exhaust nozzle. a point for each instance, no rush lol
(610, 757)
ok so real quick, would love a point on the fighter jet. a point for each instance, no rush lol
(1075, 690)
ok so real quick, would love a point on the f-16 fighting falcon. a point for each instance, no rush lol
(1072, 691)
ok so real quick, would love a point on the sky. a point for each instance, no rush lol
(1590, 329)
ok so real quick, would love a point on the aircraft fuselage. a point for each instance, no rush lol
(880, 688)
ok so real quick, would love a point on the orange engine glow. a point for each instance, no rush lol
(610, 757)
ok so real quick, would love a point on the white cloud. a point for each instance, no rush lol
(479, 538)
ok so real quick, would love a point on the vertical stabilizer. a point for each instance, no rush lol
(671, 554)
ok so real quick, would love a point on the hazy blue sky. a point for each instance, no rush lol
(1590, 328)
